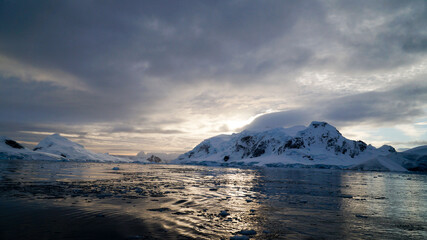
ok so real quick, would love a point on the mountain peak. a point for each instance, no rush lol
(59, 145)
(319, 143)
(317, 128)
(57, 139)
(317, 124)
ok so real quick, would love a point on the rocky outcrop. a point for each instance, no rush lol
(154, 159)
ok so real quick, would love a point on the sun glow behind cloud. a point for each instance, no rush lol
(142, 77)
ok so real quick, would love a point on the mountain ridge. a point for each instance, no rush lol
(59, 145)
(319, 144)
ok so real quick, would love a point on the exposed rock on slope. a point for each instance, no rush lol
(11, 150)
(320, 144)
(154, 159)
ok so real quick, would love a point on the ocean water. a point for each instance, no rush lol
(69, 200)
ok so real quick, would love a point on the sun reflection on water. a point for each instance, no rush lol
(195, 202)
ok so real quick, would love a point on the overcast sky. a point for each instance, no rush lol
(161, 76)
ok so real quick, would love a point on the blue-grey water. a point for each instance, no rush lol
(69, 200)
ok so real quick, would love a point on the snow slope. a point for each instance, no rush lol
(62, 146)
(11, 150)
(381, 163)
(414, 159)
(318, 145)
(421, 150)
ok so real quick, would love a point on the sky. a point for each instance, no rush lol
(161, 76)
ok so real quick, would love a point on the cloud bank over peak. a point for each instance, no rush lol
(186, 70)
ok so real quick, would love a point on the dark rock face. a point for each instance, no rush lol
(204, 147)
(248, 140)
(295, 143)
(362, 145)
(260, 149)
(154, 159)
(39, 148)
(13, 144)
(245, 145)
(321, 124)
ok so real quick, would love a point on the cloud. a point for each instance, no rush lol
(402, 104)
(191, 68)
(12, 69)
(287, 118)
(130, 129)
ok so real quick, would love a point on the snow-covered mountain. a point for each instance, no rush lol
(414, 159)
(11, 150)
(318, 145)
(62, 146)
(155, 157)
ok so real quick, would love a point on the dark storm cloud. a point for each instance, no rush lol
(35, 132)
(115, 48)
(89, 62)
(381, 34)
(98, 40)
(401, 104)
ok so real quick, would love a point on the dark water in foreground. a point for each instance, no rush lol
(45, 200)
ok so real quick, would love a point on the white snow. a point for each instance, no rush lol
(62, 146)
(421, 150)
(381, 163)
(14, 151)
(318, 145)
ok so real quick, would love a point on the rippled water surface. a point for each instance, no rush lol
(66, 200)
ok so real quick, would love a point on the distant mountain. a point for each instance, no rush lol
(156, 157)
(318, 145)
(414, 159)
(11, 150)
(68, 149)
